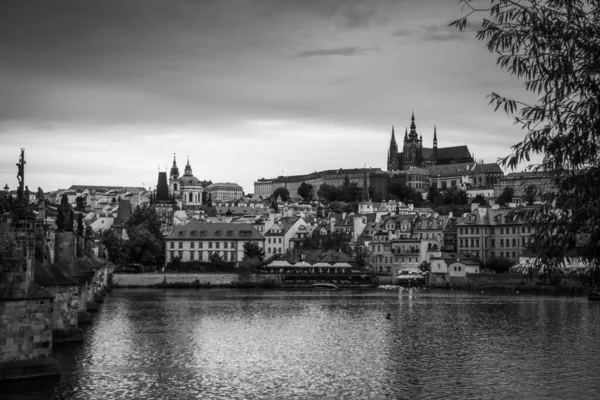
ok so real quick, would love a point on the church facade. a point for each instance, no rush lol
(186, 189)
(413, 153)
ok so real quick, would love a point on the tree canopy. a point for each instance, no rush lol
(553, 47)
(281, 192)
(305, 190)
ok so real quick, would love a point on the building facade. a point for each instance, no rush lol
(197, 241)
(224, 191)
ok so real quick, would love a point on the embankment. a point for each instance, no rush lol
(193, 280)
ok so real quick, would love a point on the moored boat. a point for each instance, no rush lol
(594, 296)
(324, 285)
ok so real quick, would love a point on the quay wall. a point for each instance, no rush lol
(154, 279)
(510, 282)
(25, 329)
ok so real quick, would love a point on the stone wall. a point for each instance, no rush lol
(65, 247)
(25, 329)
(152, 279)
(65, 307)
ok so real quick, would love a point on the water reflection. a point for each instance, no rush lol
(181, 344)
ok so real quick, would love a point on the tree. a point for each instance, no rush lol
(405, 193)
(253, 251)
(479, 199)
(432, 194)
(146, 241)
(80, 225)
(143, 247)
(327, 192)
(506, 196)
(553, 46)
(80, 203)
(113, 244)
(305, 190)
(281, 192)
(530, 195)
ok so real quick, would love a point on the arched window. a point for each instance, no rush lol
(174, 186)
(191, 198)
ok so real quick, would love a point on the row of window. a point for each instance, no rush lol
(203, 255)
(274, 240)
(275, 250)
(380, 259)
(503, 230)
(200, 245)
(503, 243)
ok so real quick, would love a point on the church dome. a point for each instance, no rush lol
(189, 180)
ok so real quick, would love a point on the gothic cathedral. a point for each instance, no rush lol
(415, 155)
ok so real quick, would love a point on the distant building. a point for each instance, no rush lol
(197, 241)
(186, 190)
(413, 153)
(224, 191)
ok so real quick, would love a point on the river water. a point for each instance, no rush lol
(268, 344)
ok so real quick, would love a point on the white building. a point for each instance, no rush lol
(224, 190)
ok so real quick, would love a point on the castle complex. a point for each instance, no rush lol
(415, 155)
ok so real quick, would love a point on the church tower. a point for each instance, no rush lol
(174, 187)
(392, 161)
(413, 147)
(191, 188)
(434, 138)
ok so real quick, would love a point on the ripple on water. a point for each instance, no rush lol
(226, 344)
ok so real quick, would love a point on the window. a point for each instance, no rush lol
(181, 245)
(477, 242)
(181, 233)
(493, 243)
(514, 229)
(172, 253)
(279, 240)
(225, 245)
(191, 245)
(502, 231)
(181, 254)
(225, 256)
(199, 245)
(233, 245)
(514, 254)
(172, 245)
(269, 240)
(217, 245)
(210, 245)
(501, 242)
(514, 242)
(192, 255)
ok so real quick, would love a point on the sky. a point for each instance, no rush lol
(106, 92)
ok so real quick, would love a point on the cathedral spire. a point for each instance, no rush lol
(434, 137)
(405, 133)
(365, 189)
(413, 128)
(393, 153)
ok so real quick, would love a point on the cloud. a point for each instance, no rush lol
(402, 32)
(436, 32)
(339, 51)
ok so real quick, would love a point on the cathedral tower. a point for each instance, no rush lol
(392, 160)
(412, 153)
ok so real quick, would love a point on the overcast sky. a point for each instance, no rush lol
(105, 92)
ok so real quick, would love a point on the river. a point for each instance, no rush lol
(302, 344)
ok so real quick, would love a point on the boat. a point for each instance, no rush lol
(324, 285)
(594, 296)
